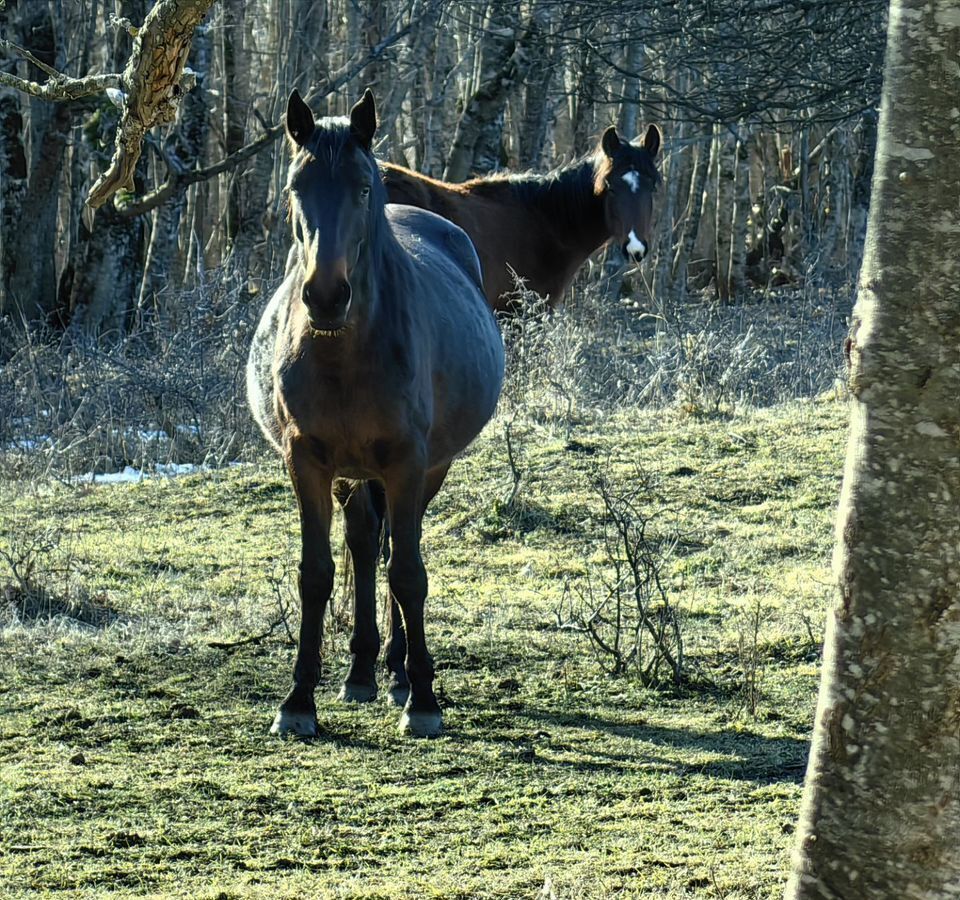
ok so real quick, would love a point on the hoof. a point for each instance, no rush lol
(303, 724)
(357, 693)
(421, 724)
(399, 694)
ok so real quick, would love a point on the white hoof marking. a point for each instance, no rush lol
(399, 694)
(421, 724)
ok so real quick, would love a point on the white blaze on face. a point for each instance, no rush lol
(635, 245)
(632, 179)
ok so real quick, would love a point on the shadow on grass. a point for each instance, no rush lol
(747, 756)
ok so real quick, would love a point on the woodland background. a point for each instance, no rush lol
(628, 452)
(768, 110)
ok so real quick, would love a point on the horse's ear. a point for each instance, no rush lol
(363, 120)
(299, 121)
(652, 140)
(610, 142)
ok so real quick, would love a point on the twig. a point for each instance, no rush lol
(230, 646)
(27, 55)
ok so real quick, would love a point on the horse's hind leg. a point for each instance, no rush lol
(407, 499)
(311, 483)
(362, 521)
(396, 646)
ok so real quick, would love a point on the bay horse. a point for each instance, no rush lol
(544, 227)
(375, 363)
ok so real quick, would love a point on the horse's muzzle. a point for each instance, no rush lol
(327, 302)
(634, 249)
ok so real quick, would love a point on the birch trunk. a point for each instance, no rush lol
(736, 271)
(723, 211)
(881, 810)
(504, 62)
(691, 226)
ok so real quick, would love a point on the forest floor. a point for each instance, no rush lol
(136, 758)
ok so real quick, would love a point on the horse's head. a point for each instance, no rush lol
(331, 187)
(626, 179)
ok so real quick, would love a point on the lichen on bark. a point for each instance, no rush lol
(881, 811)
(153, 85)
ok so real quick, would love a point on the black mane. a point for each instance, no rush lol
(567, 190)
(563, 192)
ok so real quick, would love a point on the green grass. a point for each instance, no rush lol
(136, 759)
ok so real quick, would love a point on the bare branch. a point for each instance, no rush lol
(152, 82)
(57, 87)
(29, 57)
(179, 179)
(62, 88)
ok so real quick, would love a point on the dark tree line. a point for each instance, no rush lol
(768, 109)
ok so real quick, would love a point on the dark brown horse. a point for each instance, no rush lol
(543, 227)
(375, 363)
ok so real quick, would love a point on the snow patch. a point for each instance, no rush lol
(130, 475)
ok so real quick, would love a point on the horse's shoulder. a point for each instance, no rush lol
(413, 224)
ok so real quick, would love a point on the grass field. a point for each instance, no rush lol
(136, 759)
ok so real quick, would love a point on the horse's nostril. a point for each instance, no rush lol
(327, 299)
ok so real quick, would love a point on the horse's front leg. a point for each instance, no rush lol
(311, 484)
(408, 585)
(362, 520)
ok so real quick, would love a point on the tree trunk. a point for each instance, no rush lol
(236, 108)
(13, 162)
(736, 270)
(723, 212)
(536, 106)
(187, 146)
(881, 810)
(503, 66)
(33, 279)
(691, 226)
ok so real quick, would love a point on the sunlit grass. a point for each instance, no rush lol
(136, 758)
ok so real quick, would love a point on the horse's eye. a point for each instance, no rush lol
(364, 192)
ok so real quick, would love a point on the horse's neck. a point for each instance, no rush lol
(580, 226)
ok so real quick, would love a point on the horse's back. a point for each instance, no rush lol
(413, 225)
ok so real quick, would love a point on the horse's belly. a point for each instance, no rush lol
(466, 394)
(260, 368)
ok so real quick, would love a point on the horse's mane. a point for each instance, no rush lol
(566, 189)
(562, 191)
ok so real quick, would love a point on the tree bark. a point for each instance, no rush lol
(881, 809)
(736, 270)
(32, 276)
(503, 66)
(152, 80)
(691, 225)
(13, 162)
